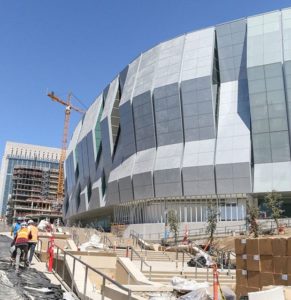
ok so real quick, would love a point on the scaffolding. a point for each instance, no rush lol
(34, 194)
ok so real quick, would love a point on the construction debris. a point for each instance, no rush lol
(183, 285)
(206, 293)
(94, 242)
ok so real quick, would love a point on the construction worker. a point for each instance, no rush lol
(16, 226)
(32, 242)
(21, 244)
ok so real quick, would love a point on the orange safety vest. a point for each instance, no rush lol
(22, 236)
(34, 234)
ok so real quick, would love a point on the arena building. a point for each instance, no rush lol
(202, 119)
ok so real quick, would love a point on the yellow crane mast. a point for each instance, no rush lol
(68, 108)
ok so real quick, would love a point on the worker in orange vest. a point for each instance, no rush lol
(32, 242)
(21, 242)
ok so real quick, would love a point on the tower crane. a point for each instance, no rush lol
(68, 108)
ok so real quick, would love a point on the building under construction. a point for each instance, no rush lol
(34, 194)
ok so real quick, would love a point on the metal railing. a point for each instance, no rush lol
(107, 241)
(227, 230)
(105, 278)
(137, 240)
(197, 232)
(142, 261)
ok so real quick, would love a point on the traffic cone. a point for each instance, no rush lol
(215, 283)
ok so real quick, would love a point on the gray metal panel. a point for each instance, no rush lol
(198, 110)
(130, 81)
(90, 119)
(70, 174)
(144, 121)
(146, 71)
(263, 31)
(122, 78)
(271, 142)
(168, 66)
(74, 140)
(125, 189)
(286, 30)
(144, 161)
(127, 134)
(84, 201)
(71, 164)
(233, 148)
(232, 50)
(168, 115)
(233, 178)
(112, 196)
(198, 54)
(96, 195)
(198, 180)
(272, 176)
(169, 157)
(143, 185)
(122, 173)
(233, 143)
(167, 172)
(109, 102)
(268, 113)
(168, 183)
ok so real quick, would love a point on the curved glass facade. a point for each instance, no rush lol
(201, 118)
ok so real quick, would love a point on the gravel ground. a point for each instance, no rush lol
(29, 284)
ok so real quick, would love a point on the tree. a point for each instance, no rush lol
(274, 204)
(211, 223)
(173, 224)
(252, 219)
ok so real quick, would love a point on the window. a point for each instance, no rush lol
(78, 198)
(115, 120)
(89, 189)
(99, 153)
(104, 186)
(67, 205)
(77, 172)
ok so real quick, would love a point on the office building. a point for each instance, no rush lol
(24, 160)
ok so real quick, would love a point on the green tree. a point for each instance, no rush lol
(252, 219)
(211, 223)
(274, 204)
(173, 224)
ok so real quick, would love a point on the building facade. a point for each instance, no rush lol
(201, 119)
(34, 194)
(24, 156)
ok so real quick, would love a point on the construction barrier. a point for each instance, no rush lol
(51, 254)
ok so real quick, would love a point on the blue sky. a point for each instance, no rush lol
(79, 46)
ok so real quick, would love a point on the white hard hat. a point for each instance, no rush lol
(30, 222)
(23, 224)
